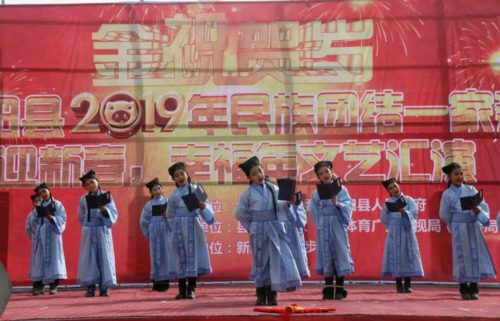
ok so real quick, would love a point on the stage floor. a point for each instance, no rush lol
(236, 302)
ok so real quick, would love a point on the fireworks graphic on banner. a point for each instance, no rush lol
(18, 82)
(153, 15)
(476, 55)
(388, 28)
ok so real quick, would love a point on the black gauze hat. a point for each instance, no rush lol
(176, 166)
(41, 186)
(320, 164)
(248, 164)
(89, 175)
(450, 167)
(153, 183)
(388, 182)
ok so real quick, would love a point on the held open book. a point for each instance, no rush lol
(159, 210)
(397, 205)
(328, 190)
(286, 189)
(96, 201)
(44, 211)
(194, 199)
(468, 202)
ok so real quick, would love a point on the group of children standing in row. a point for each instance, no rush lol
(178, 248)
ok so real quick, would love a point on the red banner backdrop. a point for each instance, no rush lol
(382, 88)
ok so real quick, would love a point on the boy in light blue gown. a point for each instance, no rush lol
(189, 240)
(156, 229)
(47, 264)
(294, 227)
(401, 252)
(263, 216)
(96, 263)
(331, 218)
(471, 257)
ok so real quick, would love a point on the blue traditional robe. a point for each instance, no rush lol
(333, 252)
(272, 260)
(188, 236)
(401, 252)
(47, 261)
(96, 264)
(471, 257)
(157, 230)
(294, 227)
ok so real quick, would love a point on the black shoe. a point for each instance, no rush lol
(399, 286)
(36, 292)
(90, 291)
(190, 294)
(407, 285)
(37, 288)
(474, 291)
(182, 290)
(272, 296)
(291, 289)
(261, 296)
(328, 292)
(465, 292)
(190, 288)
(161, 286)
(103, 292)
(53, 287)
(340, 293)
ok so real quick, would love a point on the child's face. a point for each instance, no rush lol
(325, 174)
(180, 177)
(157, 191)
(44, 193)
(36, 201)
(257, 175)
(457, 176)
(91, 185)
(393, 189)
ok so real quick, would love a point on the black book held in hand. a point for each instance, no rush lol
(96, 201)
(159, 210)
(193, 200)
(286, 189)
(468, 202)
(328, 190)
(397, 205)
(44, 211)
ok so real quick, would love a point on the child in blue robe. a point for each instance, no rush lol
(96, 263)
(471, 257)
(188, 236)
(401, 252)
(332, 217)
(273, 265)
(294, 227)
(48, 264)
(155, 227)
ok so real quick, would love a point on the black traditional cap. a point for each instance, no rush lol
(388, 182)
(248, 164)
(176, 166)
(320, 164)
(89, 175)
(41, 186)
(153, 183)
(33, 196)
(450, 167)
